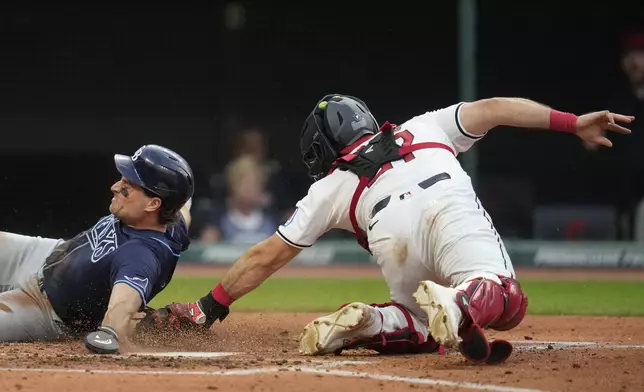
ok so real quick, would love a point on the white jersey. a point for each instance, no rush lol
(440, 233)
(326, 206)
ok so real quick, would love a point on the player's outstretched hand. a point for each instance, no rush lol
(591, 127)
(103, 341)
(178, 317)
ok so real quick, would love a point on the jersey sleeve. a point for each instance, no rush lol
(448, 119)
(136, 265)
(322, 209)
(180, 232)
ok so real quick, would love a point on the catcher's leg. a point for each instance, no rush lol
(457, 316)
(21, 256)
(391, 328)
(470, 257)
(386, 328)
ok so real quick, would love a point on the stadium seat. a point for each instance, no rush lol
(575, 223)
(510, 202)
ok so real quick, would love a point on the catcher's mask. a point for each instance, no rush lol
(336, 121)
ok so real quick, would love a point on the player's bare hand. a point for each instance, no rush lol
(591, 127)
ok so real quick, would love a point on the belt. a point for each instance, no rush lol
(40, 279)
(423, 185)
(434, 179)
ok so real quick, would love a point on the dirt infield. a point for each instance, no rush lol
(258, 352)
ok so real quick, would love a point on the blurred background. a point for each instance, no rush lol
(228, 86)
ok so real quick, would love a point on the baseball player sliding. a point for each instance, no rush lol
(94, 283)
(402, 192)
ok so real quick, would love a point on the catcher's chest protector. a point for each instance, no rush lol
(368, 162)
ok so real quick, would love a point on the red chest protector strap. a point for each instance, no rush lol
(366, 176)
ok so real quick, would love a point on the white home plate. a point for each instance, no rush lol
(549, 345)
(186, 354)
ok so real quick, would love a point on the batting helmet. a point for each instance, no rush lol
(336, 121)
(161, 172)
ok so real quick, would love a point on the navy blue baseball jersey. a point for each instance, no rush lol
(80, 273)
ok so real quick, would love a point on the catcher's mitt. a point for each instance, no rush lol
(184, 316)
(173, 317)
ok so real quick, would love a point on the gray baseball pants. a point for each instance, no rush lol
(26, 314)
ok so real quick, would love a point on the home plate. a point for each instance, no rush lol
(550, 345)
(186, 354)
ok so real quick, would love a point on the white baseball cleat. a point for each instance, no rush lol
(327, 334)
(443, 314)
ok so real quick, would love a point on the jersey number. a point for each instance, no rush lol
(407, 140)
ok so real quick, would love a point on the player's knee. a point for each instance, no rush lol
(492, 305)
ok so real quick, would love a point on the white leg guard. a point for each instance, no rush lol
(394, 320)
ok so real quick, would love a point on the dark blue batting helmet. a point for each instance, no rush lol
(161, 172)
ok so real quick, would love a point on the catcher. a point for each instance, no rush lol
(402, 192)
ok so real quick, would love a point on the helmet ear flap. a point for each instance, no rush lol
(319, 152)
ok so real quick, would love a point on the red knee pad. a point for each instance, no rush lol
(515, 308)
(490, 305)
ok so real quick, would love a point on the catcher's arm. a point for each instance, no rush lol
(249, 271)
(480, 116)
(256, 265)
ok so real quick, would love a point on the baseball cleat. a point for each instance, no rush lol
(443, 314)
(328, 334)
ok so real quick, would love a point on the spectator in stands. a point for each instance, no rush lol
(252, 142)
(244, 219)
(625, 164)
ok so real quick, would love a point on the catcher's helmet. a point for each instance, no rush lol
(161, 172)
(335, 122)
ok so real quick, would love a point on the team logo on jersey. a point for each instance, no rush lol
(102, 238)
(290, 220)
(141, 282)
